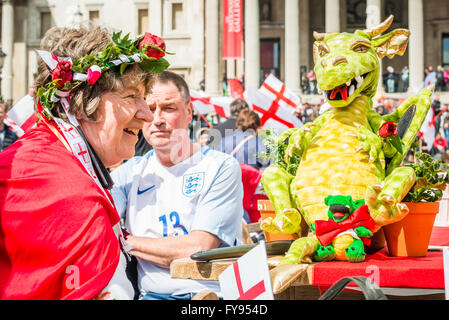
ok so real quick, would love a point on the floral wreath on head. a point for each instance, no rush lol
(148, 50)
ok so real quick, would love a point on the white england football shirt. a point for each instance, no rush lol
(204, 192)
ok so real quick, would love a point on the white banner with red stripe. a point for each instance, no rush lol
(248, 278)
(204, 104)
(428, 129)
(21, 118)
(275, 104)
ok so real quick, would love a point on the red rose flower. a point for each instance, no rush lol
(388, 129)
(149, 38)
(63, 72)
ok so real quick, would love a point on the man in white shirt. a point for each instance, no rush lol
(179, 198)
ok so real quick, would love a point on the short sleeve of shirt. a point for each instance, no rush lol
(220, 211)
(123, 177)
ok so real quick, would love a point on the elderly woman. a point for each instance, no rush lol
(59, 230)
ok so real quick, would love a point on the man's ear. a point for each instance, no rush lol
(392, 43)
(189, 108)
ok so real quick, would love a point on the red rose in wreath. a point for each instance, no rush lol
(149, 38)
(63, 72)
(388, 129)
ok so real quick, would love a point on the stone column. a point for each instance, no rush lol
(292, 45)
(155, 17)
(373, 18)
(7, 47)
(252, 44)
(332, 16)
(212, 77)
(416, 44)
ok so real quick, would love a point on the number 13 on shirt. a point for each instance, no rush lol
(174, 220)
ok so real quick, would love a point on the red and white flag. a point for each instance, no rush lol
(204, 104)
(235, 88)
(275, 104)
(21, 118)
(428, 129)
(248, 278)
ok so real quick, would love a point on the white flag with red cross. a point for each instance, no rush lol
(428, 129)
(248, 278)
(204, 104)
(21, 118)
(275, 104)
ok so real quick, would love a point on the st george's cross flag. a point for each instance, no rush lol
(275, 104)
(248, 278)
(21, 117)
(204, 104)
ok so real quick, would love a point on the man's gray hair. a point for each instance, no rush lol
(168, 76)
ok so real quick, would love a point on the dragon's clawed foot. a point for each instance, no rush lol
(384, 209)
(287, 222)
(371, 143)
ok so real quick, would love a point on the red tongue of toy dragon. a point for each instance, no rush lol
(343, 92)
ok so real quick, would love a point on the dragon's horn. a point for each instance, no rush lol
(375, 31)
(319, 36)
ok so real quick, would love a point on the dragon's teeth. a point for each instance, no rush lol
(348, 83)
(351, 90)
(359, 80)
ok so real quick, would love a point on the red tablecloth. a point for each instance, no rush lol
(423, 272)
(440, 236)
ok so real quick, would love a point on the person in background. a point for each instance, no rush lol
(440, 85)
(179, 198)
(440, 145)
(390, 80)
(203, 136)
(446, 78)
(228, 127)
(405, 74)
(436, 105)
(245, 144)
(7, 136)
(446, 127)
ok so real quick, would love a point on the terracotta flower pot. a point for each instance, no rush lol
(410, 236)
(267, 210)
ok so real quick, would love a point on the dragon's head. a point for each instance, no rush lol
(347, 64)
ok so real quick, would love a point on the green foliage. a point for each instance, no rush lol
(118, 46)
(275, 151)
(432, 176)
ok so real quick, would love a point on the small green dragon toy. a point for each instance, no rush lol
(341, 152)
(344, 235)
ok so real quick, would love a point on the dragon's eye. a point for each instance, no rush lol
(322, 51)
(360, 46)
(360, 49)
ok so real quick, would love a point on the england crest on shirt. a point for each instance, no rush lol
(192, 183)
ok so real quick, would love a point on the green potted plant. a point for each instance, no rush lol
(411, 235)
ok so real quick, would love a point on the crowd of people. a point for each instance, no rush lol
(392, 80)
(102, 195)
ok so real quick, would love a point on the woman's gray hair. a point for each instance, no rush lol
(77, 42)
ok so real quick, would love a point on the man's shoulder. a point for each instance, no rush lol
(222, 161)
(216, 155)
(126, 169)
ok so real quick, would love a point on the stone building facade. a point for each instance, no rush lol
(277, 34)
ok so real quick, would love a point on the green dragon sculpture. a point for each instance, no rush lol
(341, 152)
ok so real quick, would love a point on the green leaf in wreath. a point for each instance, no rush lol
(155, 66)
(123, 67)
